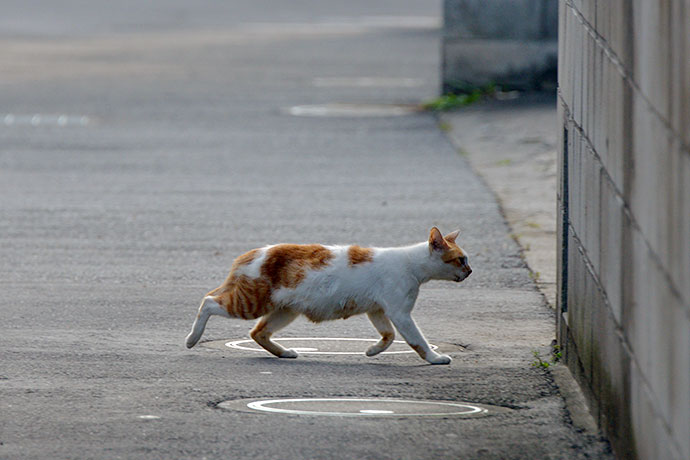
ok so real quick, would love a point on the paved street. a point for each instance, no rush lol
(144, 145)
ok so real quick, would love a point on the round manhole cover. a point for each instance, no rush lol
(362, 407)
(352, 110)
(323, 345)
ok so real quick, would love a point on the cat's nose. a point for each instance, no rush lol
(469, 271)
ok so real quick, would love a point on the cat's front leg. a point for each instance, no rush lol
(413, 336)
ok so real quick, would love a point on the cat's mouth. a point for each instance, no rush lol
(458, 278)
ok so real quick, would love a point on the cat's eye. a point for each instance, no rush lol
(463, 260)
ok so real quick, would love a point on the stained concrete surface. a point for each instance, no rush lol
(110, 234)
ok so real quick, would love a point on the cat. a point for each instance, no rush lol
(278, 283)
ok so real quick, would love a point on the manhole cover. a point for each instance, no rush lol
(362, 407)
(353, 110)
(323, 345)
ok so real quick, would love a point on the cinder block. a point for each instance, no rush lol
(572, 49)
(651, 49)
(573, 177)
(575, 186)
(615, 386)
(661, 315)
(562, 127)
(595, 107)
(642, 186)
(654, 180)
(591, 67)
(593, 210)
(669, 199)
(585, 83)
(572, 273)
(576, 70)
(615, 125)
(643, 417)
(610, 248)
(636, 328)
(591, 301)
(679, 378)
(621, 31)
(627, 271)
(681, 269)
(679, 87)
(603, 19)
(573, 31)
(586, 194)
(576, 274)
(602, 144)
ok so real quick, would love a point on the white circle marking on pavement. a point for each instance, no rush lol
(448, 408)
(352, 110)
(239, 345)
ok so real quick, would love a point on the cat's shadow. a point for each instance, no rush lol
(313, 363)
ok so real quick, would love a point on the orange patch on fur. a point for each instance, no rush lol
(387, 336)
(245, 259)
(350, 308)
(452, 255)
(358, 255)
(244, 297)
(420, 351)
(285, 264)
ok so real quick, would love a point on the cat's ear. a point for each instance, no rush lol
(452, 236)
(436, 240)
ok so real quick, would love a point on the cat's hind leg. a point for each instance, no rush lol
(385, 328)
(208, 308)
(269, 324)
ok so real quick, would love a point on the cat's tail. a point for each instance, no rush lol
(208, 308)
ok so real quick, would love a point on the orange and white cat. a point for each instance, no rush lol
(278, 283)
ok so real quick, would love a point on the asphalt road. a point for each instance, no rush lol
(144, 145)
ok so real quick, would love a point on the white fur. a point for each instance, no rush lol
(208, 308)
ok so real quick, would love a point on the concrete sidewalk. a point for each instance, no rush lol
(511, 144)
(190, 153)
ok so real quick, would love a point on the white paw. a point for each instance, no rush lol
(289, 354)
(439, 359)
(191, 341)
(373, 350)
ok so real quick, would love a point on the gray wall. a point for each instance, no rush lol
(512, 43)
(624, 204)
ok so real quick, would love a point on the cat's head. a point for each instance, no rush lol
(449, 259)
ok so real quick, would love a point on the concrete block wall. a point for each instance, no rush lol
(512, 43)
(624, 207)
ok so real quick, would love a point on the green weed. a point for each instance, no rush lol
(465, 97)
